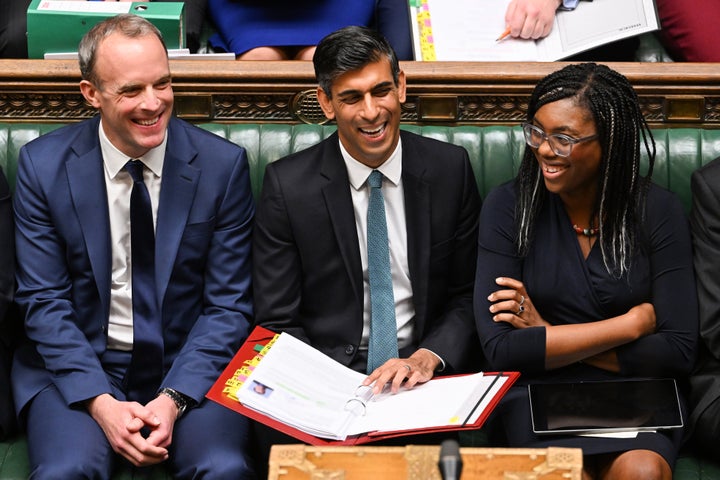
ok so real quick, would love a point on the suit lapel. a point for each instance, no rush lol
(340, 209)
(418, 225)
(86, 180)
(179, 183)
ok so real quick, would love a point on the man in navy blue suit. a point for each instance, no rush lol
(75, 275)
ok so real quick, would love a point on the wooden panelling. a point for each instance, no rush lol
(473, 93)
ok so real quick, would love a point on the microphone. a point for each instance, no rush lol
(450, 462)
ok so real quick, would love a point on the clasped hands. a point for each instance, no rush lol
(123, 423)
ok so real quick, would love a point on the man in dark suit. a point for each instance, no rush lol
(311, 275)
(7, 287)
(705, 380)
(80, 382)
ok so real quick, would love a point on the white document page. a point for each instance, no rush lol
(440, 402)
(304, 388)
(597, 23)
(467, 30)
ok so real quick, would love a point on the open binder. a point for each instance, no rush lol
(288, 385)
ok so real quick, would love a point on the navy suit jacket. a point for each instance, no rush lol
(203, 272)
(307, 271)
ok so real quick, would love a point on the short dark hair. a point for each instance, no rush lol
(621, 128)
(348, 49)
(128, 24)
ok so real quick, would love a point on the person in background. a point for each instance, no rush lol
(688, 29)
(13, 27)
(7, 289)
(534, 19)
(364, 244)
(584, 267)
(705, 380)
(133, 268)
(290, 29)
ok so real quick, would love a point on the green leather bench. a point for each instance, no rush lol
(494, 152)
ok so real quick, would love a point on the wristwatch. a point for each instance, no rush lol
(568, 5)
(181, 401)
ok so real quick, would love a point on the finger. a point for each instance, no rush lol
(398, 379)
(511, 306)
(499, 295)
(145, 450)
(385, 376)
(145, 414)
(417, 376)
(509, 283)
(135, 425)
(510, 318)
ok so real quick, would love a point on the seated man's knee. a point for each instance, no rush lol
(235, 466)
(68, 469)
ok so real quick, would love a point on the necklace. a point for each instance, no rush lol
(588, 232)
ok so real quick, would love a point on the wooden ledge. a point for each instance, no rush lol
(472, 93)
(301, 462)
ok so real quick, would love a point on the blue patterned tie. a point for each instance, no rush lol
(145, 370)
(383, 328)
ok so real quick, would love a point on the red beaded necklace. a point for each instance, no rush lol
(588, 232)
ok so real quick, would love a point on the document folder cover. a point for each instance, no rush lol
(234, 383)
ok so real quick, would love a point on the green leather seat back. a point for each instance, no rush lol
(495, 151)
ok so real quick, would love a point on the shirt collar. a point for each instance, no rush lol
(358, 172)
(115, 160)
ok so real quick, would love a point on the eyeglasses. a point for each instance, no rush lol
(560, 144)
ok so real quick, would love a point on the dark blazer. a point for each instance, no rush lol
(705, 228)
(64, 267)
(307, 270)
(7, 287)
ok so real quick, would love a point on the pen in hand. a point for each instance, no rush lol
(504, 34)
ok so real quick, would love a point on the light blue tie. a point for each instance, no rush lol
(383, 328)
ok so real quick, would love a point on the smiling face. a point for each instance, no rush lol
(365, 104)
(575, 176)
(133, 92)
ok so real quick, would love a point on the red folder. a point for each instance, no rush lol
(254, 344)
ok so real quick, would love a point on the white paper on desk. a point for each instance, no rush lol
(307, 389)
(438, 403)
(467, 30)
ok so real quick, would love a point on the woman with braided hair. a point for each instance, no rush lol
(585, 267)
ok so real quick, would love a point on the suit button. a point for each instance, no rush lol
(349, 349)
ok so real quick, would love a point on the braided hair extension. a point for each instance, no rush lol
(615, 109)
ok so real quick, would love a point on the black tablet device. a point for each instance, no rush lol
(606, 406)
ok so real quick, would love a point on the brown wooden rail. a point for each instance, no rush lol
(452, 93)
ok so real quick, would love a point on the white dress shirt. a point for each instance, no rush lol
(392, 190)
(119, 186)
